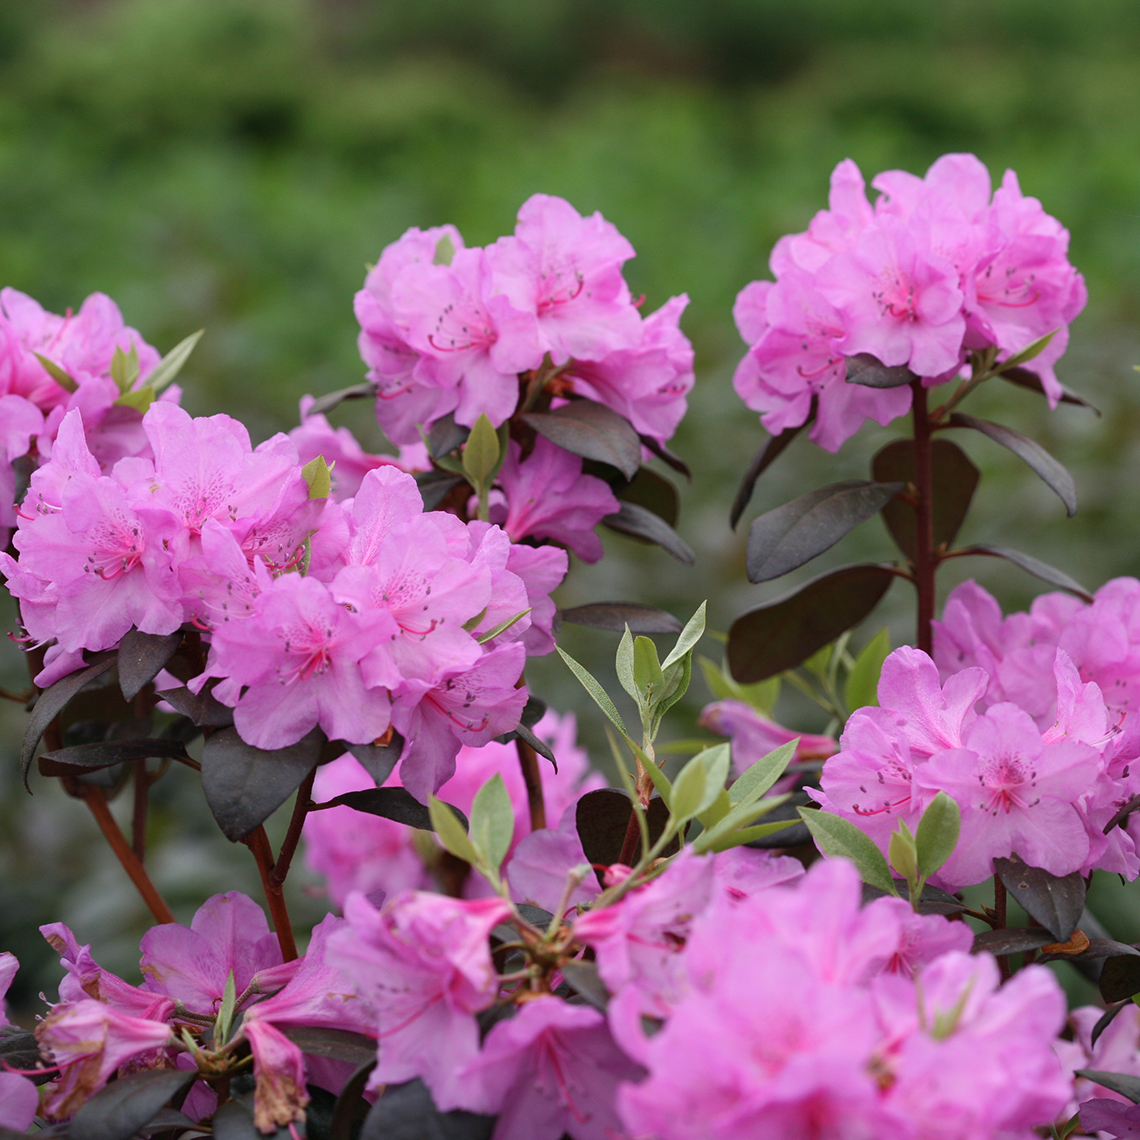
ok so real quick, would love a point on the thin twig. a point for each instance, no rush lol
(258, 843)
(532, 778)
(138, 816)
(293, 836)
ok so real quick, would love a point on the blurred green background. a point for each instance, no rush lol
(234, 164)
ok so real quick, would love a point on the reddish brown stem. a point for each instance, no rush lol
(532, 778)
(925, 561)
(631, 841)
(258, 842)
(293, 835)
(96, 801)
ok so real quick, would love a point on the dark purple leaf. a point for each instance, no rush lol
(203, 708)
(1120, 977)
(537, 743)
(141, 656)
(105, 753)
(244, 785)
(1124, 1083)
(932, 901)
(407, 1112)
(435, 486)
(770, 449)
(533, 711)
(1012, 941)
(118, 1111)
(1120, 1121)
(789, 536)
(378, 760)
(234, 1121)
(583, 978)
(602, 817)
(953, 480)
(1054, 901)
(351, 1107)
(1039, 460)
(793, 836)
(637, 522)
(1132, 805)
(786, 632)
(592, 431)
(1030, 565)
(169, 1120)
(335, 1044)
(329, 400)
(397, 804)
(867, 370)
(1023, 378)
(19, 1049)
(653, 492)
(445, 435)
(52, 700)
(615, 616)
(662, 453)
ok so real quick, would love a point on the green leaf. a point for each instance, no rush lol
(1027, 354)
(125, 367)
(688, 638)
(444, 251)
(740, 815)
(903, 856)
(482, 451)
(757, 778)
(319, 478)
(677, 678)
(590, 683)
(862, 687)
(719, 808)
(937, 834)
(62, 378)
(647, 676)
(502, 627)
(138, 398)
(722, 842)
(698, 785)
(818, 662)
(624, 663)
(762, 696)
(492, 822)
(226, 1012)
(472, 624)
(450, 832)
(171, 364)
(837, 836)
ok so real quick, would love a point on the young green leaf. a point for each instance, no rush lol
(904, 858)
(690, 792)
(492, 822)
(688, 638)
(818, 662)
(837, 836)
(647, 674)
(719, 808)
(590, 683)
(125, 367)
(740, 815)
(171, 364)
(761, 696)
(728, 839)
(863, 681)
(450, 832)
(1027, 354)
(444, 251)
(63, 379)
(481, 453)
(226, 1012)
(757, 778)
(319, 478)
(502, 627)
(677, 678)
(624, 663)
(138, 398)
(937, 834)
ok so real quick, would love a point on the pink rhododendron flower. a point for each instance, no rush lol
(934, 270)
(89, 1040)
(424, 963)
(552, 1069)
(19, 1098)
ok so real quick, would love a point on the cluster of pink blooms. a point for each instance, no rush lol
(935, 270)
(33, 403)
(103, 1025)
(1103, 1111)
(747, 999)
(1026, 722)
(355, 851)
(447, 328)
(354, 616)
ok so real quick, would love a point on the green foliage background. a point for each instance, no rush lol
(234, 164)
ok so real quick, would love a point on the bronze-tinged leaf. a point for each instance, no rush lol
(397, 804)
(786, 632)
(869, 371)
(407, 1112)
(954, 478)
(592, 431)
(636, 522)
(769, 451)
(615, 616)
(1030, 565)
(653, 492)
(142, 656)
(1012, 941)
(329, 400)
(602, 817)
(1024, 378)
(1056, 902)
(118, 1111)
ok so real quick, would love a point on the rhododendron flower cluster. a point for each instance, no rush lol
(380, 857)
(1044, 793)
(355, 616)
(935, 270)
(450, 329)
(51, 365)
